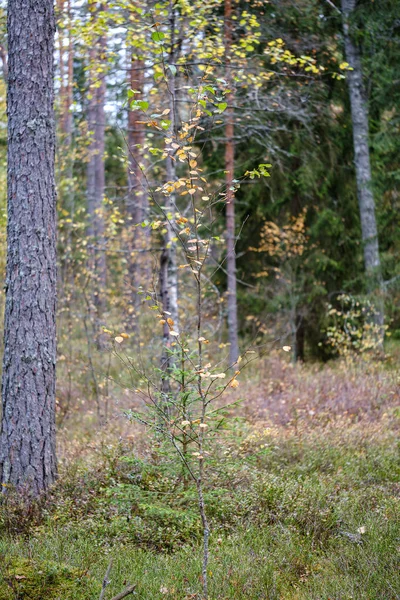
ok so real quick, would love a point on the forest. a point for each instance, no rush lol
(199, 249)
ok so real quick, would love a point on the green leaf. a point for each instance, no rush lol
(222, 106)
(157, 36)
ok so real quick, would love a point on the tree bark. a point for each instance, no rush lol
(65, 157)
(27, 443)
(137, 203)
(168, 264)
(95, 168)
(359, 116)
(136, 139)
(230, 201)
(66, 72)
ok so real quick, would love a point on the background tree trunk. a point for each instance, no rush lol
(168, 263)
(95, 168)
(230, 200)
(27, 445)
(137, 203)
(359, 116)
(66, 71)
(4, 59)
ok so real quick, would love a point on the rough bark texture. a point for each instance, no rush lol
(359, 115)
(27, 445)
(95, 168)
(230, 202)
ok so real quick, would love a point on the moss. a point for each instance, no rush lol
(23, 579)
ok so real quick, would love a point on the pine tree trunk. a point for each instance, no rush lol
(230, 201)
(100, 175)
(65, 157)
(27, 445)
(95, 168)
(137, 204)
(359, 116)
(136, 139)
(66, 77)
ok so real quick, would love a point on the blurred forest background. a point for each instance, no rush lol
(297, 234)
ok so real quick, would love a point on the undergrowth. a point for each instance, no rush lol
(296, 513)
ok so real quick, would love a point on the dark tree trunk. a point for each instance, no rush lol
(359, 116)
(230, 202)
(298, 351)
(27, 447)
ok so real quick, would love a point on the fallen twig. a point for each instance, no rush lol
(105, 581)
(129, 590)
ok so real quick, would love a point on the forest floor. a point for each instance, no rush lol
(302, 492)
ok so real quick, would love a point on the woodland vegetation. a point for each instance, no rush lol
(199, 239)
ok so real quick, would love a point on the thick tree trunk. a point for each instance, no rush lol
(27, 446)
(359, 116)
(95, 168)
(230, 201)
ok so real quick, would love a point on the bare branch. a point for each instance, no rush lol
(129, 590)
(106, 581)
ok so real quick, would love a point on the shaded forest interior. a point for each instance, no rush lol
(200, 238)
